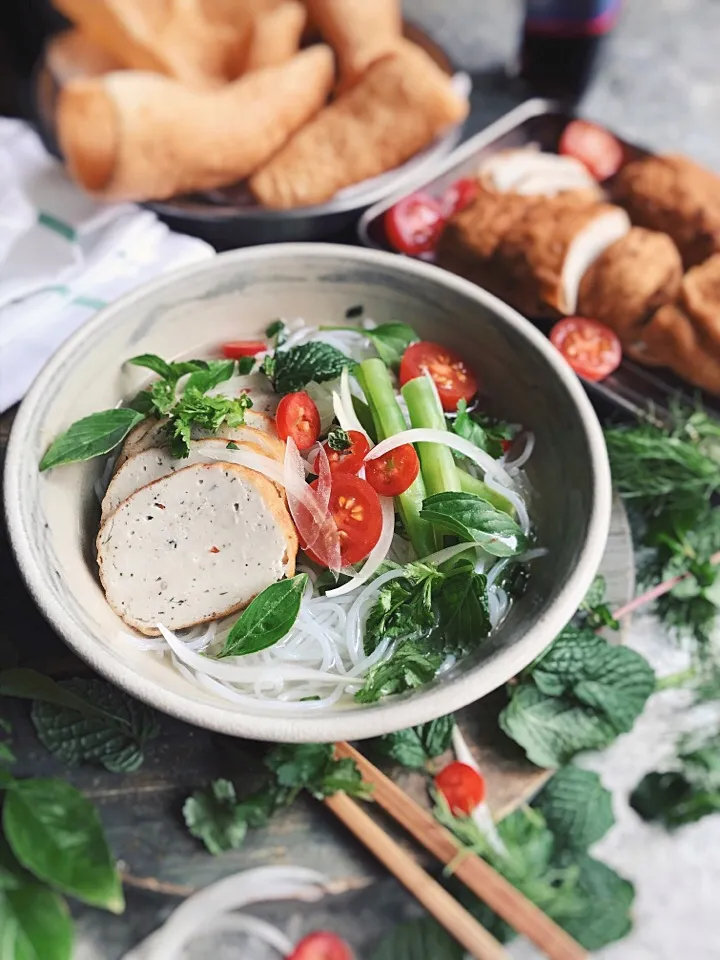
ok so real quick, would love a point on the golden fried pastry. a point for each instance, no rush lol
(401, 104)
(630, 281)
(72, 54)
(173, 37)
(139, 136)
(675, 196)
(275, 35)
(700, 298)
(545, 253)
(671, 339)
(359, 31)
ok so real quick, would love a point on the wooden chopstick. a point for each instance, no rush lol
(519, 912)
(436, 900)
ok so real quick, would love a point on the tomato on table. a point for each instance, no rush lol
(452, 376)
(393, 472)
(297, 417)
(592, 349)
(459, 195)
(462, 786)
(349, 460)
(593, 146)
(237, 349)
(414, 224)
(356, 510)
(321, 946)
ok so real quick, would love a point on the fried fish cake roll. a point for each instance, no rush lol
(675, 196)
(401, 104)
(275, 36)
(140, 136)
(174, 37)
(545, 254)
(359, 31)
(671, 339)
(700, 298)
(631, 280)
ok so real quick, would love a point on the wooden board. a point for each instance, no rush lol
(142, 811)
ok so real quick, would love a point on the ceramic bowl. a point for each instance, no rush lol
(53, 517)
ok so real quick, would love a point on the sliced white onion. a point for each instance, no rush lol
(447, 439)
(377, 555)
(347, 402)
(322, 490)
(321, 394)
(231, 670)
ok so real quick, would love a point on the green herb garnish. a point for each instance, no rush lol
(477, 521)
(91, 437)
(339, 440)
(269, 618)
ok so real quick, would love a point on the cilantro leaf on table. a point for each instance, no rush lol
(416, 746)
(685, 794)
(485, 432)
(217, 818)
(291, 370)
(579, 695)
(312, 767)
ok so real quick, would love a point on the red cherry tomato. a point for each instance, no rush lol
(459, 195)
(243, 348)
(298, 417)
(452, 376)
(593, 146)
(391, 474)
(414, 224)
(592, 349)
(346, 461)
(355, 508)
(462, 787)
(321, 946)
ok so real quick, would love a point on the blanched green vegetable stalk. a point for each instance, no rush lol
(388, 418)
(425, 410)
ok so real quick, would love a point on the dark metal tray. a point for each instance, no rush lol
(632, 387)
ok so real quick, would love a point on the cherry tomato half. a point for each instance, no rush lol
(592, 349)
(349, 460)
(414, 224)
(452, 376)
(462, 787)
(298, 417)
(321, 946)
(392, 474)
(355, 508)
(237, 349)
(593, 146)
(459, 195)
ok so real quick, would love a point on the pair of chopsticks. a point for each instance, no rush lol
(474, 872)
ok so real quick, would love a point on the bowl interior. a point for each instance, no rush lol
(53, 517)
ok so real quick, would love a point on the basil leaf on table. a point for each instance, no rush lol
(267, 619)
(56, 834)
(477, 520)
(90, 437)
(115, 740)
(415, 746)
(34, 921)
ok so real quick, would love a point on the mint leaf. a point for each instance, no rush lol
(338, 440)
(56, 834)
(293, 369)
(473, 519)
(215, 817)
(461, 602)
(269, 618)
(90, 437)
(577, 809)
(415, 746)
(115, 739)
(608, 900)
(419, 940)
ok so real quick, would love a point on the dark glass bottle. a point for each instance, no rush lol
(561, 44)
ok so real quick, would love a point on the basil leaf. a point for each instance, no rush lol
(391, 340)
(218, 371)
(90, 437)
(56, 834)
(267, 619)
(293, 369)
(28, 684)
(577, 808)
(477, 520)
(34, 923)
(151, 361)
(115, 739)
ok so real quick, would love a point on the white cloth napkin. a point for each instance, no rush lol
(63, 256)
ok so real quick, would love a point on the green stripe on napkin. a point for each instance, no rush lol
(57, 226)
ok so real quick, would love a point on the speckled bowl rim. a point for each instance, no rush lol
(357, 723)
